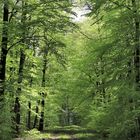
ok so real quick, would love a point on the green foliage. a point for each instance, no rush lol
(35, 134)
(5, 121)
(89, 68)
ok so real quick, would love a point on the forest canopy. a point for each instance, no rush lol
(70, 66)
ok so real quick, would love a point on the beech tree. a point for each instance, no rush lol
(70, 64)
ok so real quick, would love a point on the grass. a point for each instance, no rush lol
(73, 129)
(79, 136)
(62, 133)
(35, 134)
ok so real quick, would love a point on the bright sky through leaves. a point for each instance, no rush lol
(80, 13)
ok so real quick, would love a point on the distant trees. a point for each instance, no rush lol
(119, 30)
(102, 83)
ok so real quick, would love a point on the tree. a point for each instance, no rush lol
(3, 52)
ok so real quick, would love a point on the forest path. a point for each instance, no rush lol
(71, 134)
(68, 137)
(64, 134)
(78, 136)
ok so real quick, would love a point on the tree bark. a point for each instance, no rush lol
(29, 108)
(137, 45)
(29, 116)
(17, 100)
(17, 116)
(136, 57)
(3, 51)
(41, 121)
(36, 116)
(20, 75)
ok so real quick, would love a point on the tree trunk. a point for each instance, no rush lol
(137, 56)
(17, 115)
(3, 52)
(41, 121)
(29, 116)
(29, 108)
(36, 116)
(137, 45)
(17, 103)
(20, 74)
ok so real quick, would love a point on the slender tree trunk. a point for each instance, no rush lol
(29, 116)
(36, 116)
(137, 56)
(3, 51)
(41, 121)
(17, 116)
(29, 108)
(17, 103)
(67, 111)
(38, 102)
(137, 45)
(102, 83)
(20, 75)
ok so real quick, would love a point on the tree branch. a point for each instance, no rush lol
(120, 5)
(13, 12)
(85, 35)
(14, 44)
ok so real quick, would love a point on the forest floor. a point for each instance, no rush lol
(79, 136)
(63, 134)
